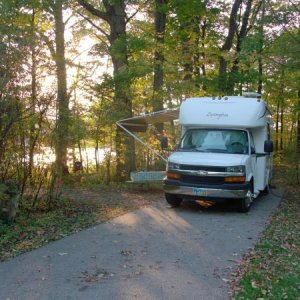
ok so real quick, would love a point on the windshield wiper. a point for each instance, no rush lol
(214, 150)
(191, 150)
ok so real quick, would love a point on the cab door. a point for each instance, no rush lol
(254, 162)
(269, 158)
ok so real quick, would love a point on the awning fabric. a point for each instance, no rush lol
(141, 123)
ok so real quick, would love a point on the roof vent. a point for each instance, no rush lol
(251, 95)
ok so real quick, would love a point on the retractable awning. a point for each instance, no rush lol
(141, 123)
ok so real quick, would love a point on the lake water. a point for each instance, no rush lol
(46, 156)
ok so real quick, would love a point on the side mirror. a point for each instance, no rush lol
(268, 146)
(164, 143)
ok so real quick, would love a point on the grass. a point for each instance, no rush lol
(272, 270)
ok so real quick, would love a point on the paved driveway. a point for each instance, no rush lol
(156, 252)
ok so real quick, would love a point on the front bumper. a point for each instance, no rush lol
(213, 192)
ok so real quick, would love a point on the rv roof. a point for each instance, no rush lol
(228, 111)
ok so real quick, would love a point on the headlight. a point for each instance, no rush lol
(173, 166)
(236, 169)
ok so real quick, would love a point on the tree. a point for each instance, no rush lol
(298, 123)
(61, 142)
(158, 79)
(226, 47)
(241, 35)
(13, 55)
(114, 15)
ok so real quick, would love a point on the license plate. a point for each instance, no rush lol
(199, 192)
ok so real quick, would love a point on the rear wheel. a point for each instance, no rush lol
(173, 200)
(245, 203)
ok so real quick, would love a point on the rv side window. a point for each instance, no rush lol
(252, 146)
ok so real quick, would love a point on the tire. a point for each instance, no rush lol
(245, 203)
(173, 200)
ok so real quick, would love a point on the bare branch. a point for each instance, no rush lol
(49, 44)
(132, 16)
(94, 25)
(128, 19)
(70, 17)
(94, 11)
(232, 25)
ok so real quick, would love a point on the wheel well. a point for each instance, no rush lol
(252, 182)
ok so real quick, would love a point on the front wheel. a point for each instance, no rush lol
(173, 200)
(245, 203)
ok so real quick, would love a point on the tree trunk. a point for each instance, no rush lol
(260, 75)
(115, 16)
(125, 147)
(281, 124)
(108, 157)
(203, 67)
(228, 45)
(97, 155)
(277, 125)
(291, 132)
(187, 57)
(32, 139)
(62, 125)
(240, 37)
(298, 125)
(86, 157)
(280, 113)
(196, 55)
(260, 51)
(80, 151)
(158, 79)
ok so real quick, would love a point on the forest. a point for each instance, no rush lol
(70, 69)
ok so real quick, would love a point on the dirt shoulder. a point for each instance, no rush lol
(78, 209)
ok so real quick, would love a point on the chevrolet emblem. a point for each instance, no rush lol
(202, 173)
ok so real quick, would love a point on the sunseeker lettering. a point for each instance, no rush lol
(217, 116)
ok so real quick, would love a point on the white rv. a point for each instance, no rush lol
(224, 152)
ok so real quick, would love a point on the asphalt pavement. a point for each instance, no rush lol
(156, 252)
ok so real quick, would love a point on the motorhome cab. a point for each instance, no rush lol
(224, 152)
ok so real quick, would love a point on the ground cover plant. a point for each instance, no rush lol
(272, 269)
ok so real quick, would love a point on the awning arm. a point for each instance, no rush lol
(143, 143)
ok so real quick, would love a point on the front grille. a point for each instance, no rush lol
(203, 168)
(202, 179)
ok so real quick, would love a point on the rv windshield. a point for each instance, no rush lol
(215, 140)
